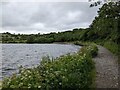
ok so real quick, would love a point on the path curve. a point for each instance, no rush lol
(106, 69)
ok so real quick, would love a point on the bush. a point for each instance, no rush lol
(90, 50)
(68, 71)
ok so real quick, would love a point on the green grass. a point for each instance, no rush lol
(69, 71)
(113, 47)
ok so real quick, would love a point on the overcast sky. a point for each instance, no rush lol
(45, 17)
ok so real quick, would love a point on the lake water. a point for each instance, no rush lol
(29, 55)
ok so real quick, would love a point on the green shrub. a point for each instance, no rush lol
(68, 71)
(90, 50)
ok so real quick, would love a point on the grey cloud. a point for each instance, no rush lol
(46, 17)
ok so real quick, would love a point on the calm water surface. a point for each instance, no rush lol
(29, 55)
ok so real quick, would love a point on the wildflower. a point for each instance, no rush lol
(29, 76)
(51, 69)
(22, 71)
(65, 70)
(22, 78)
(63, 77)
(84, 55)
(12, 86)
(20, 84)
(29, 71)
(47, 71)
(60, 83)
(26, 75)
(39, 86)
(8, 82)
(29, 84)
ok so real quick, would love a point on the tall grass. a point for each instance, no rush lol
(113, 47)
(68, 71)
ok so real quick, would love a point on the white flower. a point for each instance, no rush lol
(26, 75)
(84, 55)
(20, 84)
(29, 85)
(21, 78)
(39, 86)
(60, 83)
(22, 71)
(63, 77)
(29, 71)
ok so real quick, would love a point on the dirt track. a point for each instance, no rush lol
(106, 69)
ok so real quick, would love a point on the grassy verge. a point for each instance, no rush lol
(113, 47)
(68, 71)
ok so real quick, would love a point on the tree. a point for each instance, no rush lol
(106, 24)
(30, 39)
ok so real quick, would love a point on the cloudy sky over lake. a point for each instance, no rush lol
(45, 17)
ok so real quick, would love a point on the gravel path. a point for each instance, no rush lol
(106, 69)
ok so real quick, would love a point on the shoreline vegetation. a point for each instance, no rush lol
(59, 73)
